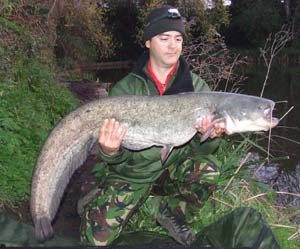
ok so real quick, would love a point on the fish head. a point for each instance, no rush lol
(245, 113)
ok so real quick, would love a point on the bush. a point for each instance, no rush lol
(31, 104)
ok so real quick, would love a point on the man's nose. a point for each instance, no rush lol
(172, 43)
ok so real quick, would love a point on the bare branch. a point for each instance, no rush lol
(272, 47)
(215, 63)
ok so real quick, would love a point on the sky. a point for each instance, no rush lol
(209, 3)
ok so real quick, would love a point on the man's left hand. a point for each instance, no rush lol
(206, 123)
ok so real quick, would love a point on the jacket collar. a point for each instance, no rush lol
(183, 81)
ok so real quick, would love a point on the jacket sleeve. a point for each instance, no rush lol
(125, 86)
(120, 157)
(199, 83)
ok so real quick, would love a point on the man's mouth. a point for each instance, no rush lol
(171, 54)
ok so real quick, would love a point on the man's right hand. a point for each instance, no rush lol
(111, 136)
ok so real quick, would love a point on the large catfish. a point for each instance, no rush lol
(165, 121)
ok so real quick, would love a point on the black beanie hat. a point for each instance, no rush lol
(163, 19)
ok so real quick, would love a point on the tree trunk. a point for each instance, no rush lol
(55, 13)
(287, 5)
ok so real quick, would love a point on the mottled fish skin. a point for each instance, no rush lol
(148, 120)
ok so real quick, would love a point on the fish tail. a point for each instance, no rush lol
(43, 229)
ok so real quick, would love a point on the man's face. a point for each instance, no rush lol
(165, 48)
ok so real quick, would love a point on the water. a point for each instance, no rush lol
(283, 85)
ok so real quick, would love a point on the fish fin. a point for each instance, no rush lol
(165, 152)
(43, 229)
(210, 129)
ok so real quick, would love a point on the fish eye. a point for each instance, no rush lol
(243, 113)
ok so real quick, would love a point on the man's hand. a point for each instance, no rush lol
(206, 123)
(111, 136)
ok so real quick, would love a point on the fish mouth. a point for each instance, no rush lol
(269, 117)
(261, 124)
(274, 122)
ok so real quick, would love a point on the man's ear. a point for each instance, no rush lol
(147, 44)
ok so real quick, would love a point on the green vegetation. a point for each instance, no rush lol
(31, 104)
(254, 20)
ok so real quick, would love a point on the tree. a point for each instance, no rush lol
(203, 18)
(80, 30)
(253, 20)
(200, 20)
(292, 13)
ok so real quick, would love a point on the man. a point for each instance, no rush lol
(133, 175)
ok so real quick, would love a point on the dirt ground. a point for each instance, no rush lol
(67, 221)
